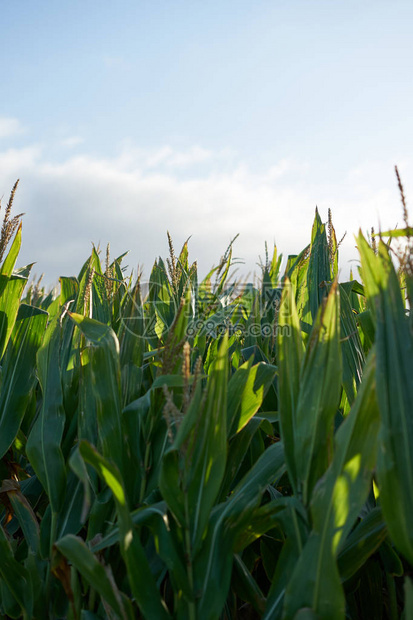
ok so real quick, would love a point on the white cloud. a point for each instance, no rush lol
(133, 199)
(168, 158)
(9, 127)
(72, 141)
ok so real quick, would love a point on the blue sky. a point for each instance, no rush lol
(125, 119)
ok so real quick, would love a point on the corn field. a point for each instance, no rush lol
(211, 449)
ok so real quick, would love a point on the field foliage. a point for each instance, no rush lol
(208, 449)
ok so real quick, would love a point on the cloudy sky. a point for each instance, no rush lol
(127, 119)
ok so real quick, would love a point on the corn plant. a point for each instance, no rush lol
(208, 449)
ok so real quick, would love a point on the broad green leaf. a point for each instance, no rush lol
(297, 272)
(213, 564)
(208, 448)
(320, 387)
(87, 416)
(9, 262)
(172, 381)
(96, 575)
(363, 541)
(69, 288)
(245, 585)
(290, 356)
(364, 319)
(18, 371)
(15, 577)
(105, 379)
(92, 299)
(394, 347)
(191, 474)
(23, 512)
(408, 593)
(11, 289)
(351, 347)
(335, 505)
(156, 519)
(78, 466)
(291, 514)
(397, 232)
(237, 452)
(246, 390)
(170, 485)
(391, 560)
(71, 517)
(44, 442)
(286, 512)
(269, 467)
(142, 583)
(319, 268)
(132, 343)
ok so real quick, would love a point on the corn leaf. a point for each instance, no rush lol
(9, 262)
(213, 564)
(320, 386)
(290, 356)
(15, 577)
(105, 384)
(361, 543)
(394, 346)
(11, 289)
(335, 505)
(18, 371)
(246, 390)
(44, 442)
(319, 269)
(142, 583)
(75, 550)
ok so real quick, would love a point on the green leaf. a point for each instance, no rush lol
(363, 541)
(156, 519)
(391, 560)
(246, 390)
(18, 372)
(170, 485)
(44, 442)
(335, 505)
(237, 452)
(320, 387)
(9, 262)
(213, 564)
(96, 575)
(290, 356)
(394, 347)
(319, 269)
(291, 515)
(364, 319)
(106, 387)
(351, 347)
(142, 583)
(246, 587)
(397, 232)
(14, 575)
(24, 513)
(204, 429)
(207, 467)
(11, 289)
(408, 594)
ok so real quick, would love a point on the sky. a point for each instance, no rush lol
(126, 119)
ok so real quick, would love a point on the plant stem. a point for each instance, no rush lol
(188, 556)
(53, 528)
(145, 469)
